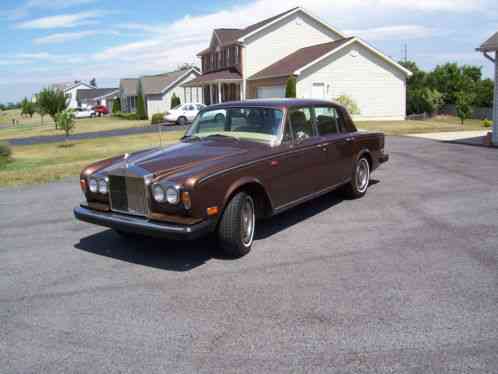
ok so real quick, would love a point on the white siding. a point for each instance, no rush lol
(162, 103)
(281, 39)
(73, 103)
(379, 88)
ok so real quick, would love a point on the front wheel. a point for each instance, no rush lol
(237, 226)
(360, 179)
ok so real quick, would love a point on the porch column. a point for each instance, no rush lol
(211, 93)
(219, 92)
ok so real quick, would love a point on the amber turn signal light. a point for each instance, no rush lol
(212, 211)
(185, 198)
(83, 185)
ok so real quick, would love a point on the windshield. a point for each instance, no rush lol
(259, 124)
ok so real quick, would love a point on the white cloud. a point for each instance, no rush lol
(24, 10)
(61, 21)
(64, 37)
(395, 32)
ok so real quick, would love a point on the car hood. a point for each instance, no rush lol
(162, 161)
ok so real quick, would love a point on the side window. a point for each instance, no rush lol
(301, 123)
(327, 120)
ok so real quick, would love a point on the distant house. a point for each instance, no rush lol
(256, 62)
(158, 90)
(97, 96)
(71, 89)
(490, 48)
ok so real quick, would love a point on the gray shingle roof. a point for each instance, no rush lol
(155, 84)
(490, 45)
(82, 95)
(129, 86)
(302, 57)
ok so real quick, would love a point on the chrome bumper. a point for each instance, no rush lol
(142, 225)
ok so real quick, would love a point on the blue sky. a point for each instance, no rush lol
(49, 41)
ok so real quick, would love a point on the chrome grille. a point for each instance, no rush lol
(127, 194)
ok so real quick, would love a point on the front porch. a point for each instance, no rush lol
(218, 87)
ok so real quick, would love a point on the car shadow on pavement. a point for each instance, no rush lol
(187, 255)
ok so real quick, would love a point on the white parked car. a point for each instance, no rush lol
(84, 113)
(184, 113)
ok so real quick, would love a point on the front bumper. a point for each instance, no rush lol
(144, 226)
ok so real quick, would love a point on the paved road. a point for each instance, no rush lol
(403, 280)
(94, 135)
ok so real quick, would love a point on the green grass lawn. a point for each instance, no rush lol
(438, 124)
(50, 162)
(32, 126)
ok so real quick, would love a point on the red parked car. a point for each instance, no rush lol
(101, 110)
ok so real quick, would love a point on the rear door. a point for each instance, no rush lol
(339, 144)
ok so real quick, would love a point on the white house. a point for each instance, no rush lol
(98, 96)
(158, 90)
(491, 46)
(257, 61)
(71, 89)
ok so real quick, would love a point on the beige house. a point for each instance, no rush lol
(489, 47)
(255, 62)
(158, 91)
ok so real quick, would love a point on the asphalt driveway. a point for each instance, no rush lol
(403, 280)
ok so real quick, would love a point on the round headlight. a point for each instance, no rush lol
(103, 186)
(93, 185)
(172, 195)
(158, 193)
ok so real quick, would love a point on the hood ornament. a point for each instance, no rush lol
(125, 157)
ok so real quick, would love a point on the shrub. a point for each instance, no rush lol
(175, 101)
(487, 123)
(157, 118)
(424, 100)
(5, 153)
(349, 104)
(290, 87)
(116, 105)
(128, 116)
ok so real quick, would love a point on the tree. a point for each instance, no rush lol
(27, 108)
(450, 79)
(463, 105)
(186, 66)
(175, 101)
(290, 88)
(41, 111)
(116, 105)
(349, 104)
(52, 102)
(65, 121)
(424, 100)
(93, 82)
(140, 103)
(418, 79)
(484, 93)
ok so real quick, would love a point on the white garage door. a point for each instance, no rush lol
(271, 92)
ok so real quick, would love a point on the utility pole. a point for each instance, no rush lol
(405, 52)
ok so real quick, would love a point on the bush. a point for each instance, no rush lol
(157, 118)
(290, 88)
(175, 101)
(116, 105)
(349, 104)
(463, 105)
(487, 123)
(5, 153)
(128, 116)
(65, 121)
(424, 100)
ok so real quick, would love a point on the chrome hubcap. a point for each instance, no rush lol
(247, 222)
(362, 175)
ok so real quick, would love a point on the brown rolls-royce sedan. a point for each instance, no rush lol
(238, 162)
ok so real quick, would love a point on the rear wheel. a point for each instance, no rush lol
(182, 121)
(237, 226)
(360, 179)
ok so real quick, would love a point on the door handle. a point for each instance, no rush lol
(349, 140)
